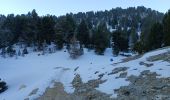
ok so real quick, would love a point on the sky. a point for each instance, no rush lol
(61, 7)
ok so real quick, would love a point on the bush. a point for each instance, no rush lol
(11, 51)
(139, 47)
(3, 86)
(25, 51)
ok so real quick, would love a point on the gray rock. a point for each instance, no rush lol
(146, 86)
(117, 70)
(123, 75)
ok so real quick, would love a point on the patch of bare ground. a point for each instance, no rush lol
(83, 91)
(146, 86)
(164, 56)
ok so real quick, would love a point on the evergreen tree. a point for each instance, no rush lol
(155, 37)
(32, 28)
(47, 29)
(166, 29)
(139, 47)
(68, 26)
(120, 43)
(101, 39)
(83, 33)
(10, 51)
(133, 38)
(3, 53)
(19, 53)
(59, 41)
(25, 51)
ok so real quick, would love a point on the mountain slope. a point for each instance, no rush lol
(29, 76)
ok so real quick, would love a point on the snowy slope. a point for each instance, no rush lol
(33, 71)
(37, 72)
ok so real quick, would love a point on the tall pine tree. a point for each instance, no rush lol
(155, 37)
(120, 43)
(83, 33)
(166, 29)
(101, 39)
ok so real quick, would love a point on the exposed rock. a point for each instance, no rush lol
(101, 75)
(58, 67)
(77, 82)
(88, 91)
(146, 86)
(66, 69)
(96, 72)
(146, 64)
(33, 92)
(22, 87)
(131, 58)
(76, 69)
(164, 56)
(135, 69)
(123, 75)
(117, 70)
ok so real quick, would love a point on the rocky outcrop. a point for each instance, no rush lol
(146, 64)
(163, 56)
(87, 90)
(146, 86)
(83, 91)
(118, 69)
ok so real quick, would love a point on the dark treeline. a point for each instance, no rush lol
(122, 29)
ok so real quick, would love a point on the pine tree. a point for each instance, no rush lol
(133, 38)
(69, 26)
(101, 39)
(25, 51)
(139, 47)
(47, 29)
(59, 35)
(10, 51)
(166, 29)
(155, 37)
(59, 40)
(83, 33)
(120, 43)
(3, 53)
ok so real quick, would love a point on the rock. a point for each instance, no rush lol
(58, 67)
(123, 75)
(26, 99)
(146, 86)
(66, 69)
(83, 91)
(33, 92)
(76, 69)
(146, 64)
(101, 75)
(117, 70)
(22, 87)
(96, 72)
(163, 56)
(135, 69)
(145, 72)
(77, 81)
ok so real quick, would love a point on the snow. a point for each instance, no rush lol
(35, 71)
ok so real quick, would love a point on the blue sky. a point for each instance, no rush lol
(61, 7)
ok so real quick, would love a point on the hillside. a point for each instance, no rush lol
(91, 76)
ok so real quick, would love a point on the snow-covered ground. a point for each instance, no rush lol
(37, 72)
